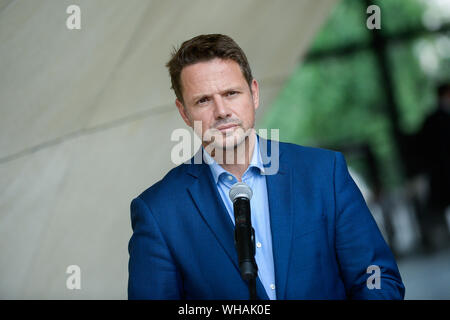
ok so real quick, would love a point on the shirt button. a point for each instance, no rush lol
(230, 178)
(272, 286)
(258, 244)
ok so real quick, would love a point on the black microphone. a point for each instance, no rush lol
(244, 234)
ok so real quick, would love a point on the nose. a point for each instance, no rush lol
(221, 110)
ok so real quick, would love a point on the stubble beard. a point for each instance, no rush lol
(229, 148)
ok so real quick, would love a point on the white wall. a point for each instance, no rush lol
(86, 117)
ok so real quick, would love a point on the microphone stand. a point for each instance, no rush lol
(246, 254)
(252, 289)
(244, 236)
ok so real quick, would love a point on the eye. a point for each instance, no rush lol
(232, 93)
(202, 100)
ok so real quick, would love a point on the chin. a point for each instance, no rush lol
(225, 142)
(228, 141)
(232, 141)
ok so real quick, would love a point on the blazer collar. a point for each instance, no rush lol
(196, 165)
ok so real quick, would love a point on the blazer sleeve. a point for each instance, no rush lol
(360, 244)
(152, 273)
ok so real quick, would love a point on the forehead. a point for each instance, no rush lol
(208, 76)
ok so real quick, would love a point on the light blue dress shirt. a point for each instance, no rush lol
(259, 206)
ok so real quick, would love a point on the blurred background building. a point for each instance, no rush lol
(87, 115)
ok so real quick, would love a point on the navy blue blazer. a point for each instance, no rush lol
(324, 236)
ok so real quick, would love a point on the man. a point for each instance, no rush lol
(432, 148)
(315, 237)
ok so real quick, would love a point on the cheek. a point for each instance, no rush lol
(248, 113)
(205, 127)
(203, 121)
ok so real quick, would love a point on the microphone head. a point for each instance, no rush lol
(240, 189)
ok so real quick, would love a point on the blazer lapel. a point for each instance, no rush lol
(209, 204)
(279, 190)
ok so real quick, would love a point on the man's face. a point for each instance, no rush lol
(216, 93)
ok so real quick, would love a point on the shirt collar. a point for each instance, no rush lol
(217, 170)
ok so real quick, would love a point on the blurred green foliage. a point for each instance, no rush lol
(347, 24)
(400, 15)
(340, 100)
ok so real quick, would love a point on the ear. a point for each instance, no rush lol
(183, 112)
(255, 93)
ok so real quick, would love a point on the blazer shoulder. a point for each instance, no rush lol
(167, 189)
(310, 157)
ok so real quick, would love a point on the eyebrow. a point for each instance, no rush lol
(199, 96)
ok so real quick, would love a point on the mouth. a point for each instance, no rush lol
(227, 127)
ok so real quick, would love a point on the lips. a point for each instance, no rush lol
(227, 126)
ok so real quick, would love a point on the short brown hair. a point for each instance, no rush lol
(202, 48)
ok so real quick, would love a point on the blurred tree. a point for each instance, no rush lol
(335, 97)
